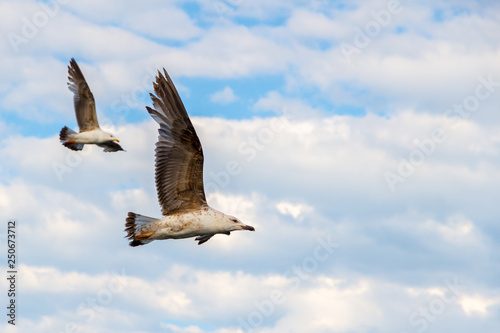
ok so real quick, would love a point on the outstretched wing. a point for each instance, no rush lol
(83, 99)
(179, 156)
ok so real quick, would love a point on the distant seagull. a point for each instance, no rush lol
(90, 132)
(179, 178)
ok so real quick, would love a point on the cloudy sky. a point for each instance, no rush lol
(361, 139)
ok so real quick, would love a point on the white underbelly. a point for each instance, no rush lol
(180, 227)
(88, 137)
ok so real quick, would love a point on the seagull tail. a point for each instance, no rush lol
(67, 137)
(133, 225)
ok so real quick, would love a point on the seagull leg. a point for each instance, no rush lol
(203, 239)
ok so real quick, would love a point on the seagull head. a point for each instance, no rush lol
(110, 137)
(235, 224)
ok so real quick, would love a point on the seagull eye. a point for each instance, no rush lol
(234, 220)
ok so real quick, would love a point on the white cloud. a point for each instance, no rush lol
(331, 307)
(146, 18)
(281, 105)
(41, 279)
(458, 229)
(193, 329)
(477, 304)
(305, 23)
(224, 96)
(146, 21)
(121, 42)
(338, 149)
(295, 210)
(185, 294)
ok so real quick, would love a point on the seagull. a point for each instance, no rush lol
(179, 178)
(90, 132)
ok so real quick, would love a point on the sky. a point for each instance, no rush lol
(361, 139)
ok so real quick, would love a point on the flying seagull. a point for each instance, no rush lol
(179, 178)
(90, 132)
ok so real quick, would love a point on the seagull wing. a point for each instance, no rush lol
(83, 99)
(179, 156)
(110, 146)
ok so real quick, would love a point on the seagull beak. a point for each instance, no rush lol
(247, 227)
(116, 140)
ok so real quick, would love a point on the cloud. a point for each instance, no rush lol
(139, 18)
(340, 192)
(295, 210)
(281, 105)
(477, 304)
(387, 75)
(185, 295)
(310, 24)
(224, 96)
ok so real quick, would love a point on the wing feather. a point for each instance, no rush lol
(110, 146)
(83, 99)
(179, 155)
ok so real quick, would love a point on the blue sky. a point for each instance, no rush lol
(365, 139)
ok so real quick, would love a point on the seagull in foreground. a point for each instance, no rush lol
(179, 178)
(90, 132)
